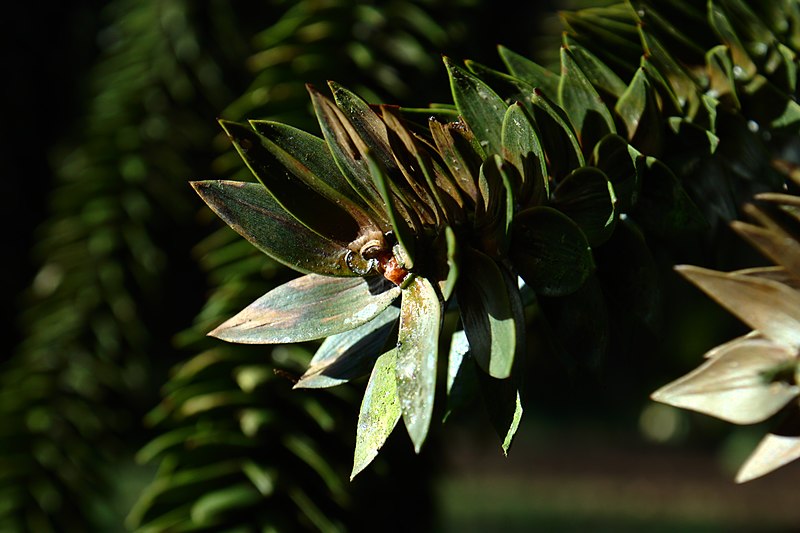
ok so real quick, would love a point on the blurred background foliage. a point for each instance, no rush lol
(115, 408)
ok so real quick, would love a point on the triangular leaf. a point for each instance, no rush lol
(587, 112)
(561, 144)
(528, 71)
(767, 306)
(479, 105)
(379, 414)
(522, 147)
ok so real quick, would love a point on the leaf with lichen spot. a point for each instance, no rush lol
(379, 414)
(417, 350)
(308, 308)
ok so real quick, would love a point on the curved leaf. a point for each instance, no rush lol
(767, 306)
(587, 197)
(252, 211)
(638, 109)
(597, 73)
(486, 314)
(550, 252)
(737, 384)
(308, 308)
(349, 354)
(379, 414)
(460, 151)
(479, 105)
(417, 351)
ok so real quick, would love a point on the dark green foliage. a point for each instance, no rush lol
(97, 326)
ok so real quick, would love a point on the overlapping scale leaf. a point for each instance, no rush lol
(550, 251)
(530, 72)
(560, 141)
(522, 148)
(585, 108)
(587, 197)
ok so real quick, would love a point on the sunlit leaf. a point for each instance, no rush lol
(773, 241)
(550, 251)
(587, 112)
(522, 147)
(348, 150)
(461, 376)
(460, 151)
(766, 306)
(486, 314)
(743, 384)
(349, 354)
(417, 350)
(598, 73)
(528, 71)
(250, 210)
(379, 414)
(480, 106)
(308, 308)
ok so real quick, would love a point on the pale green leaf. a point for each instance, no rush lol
(379, 414)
